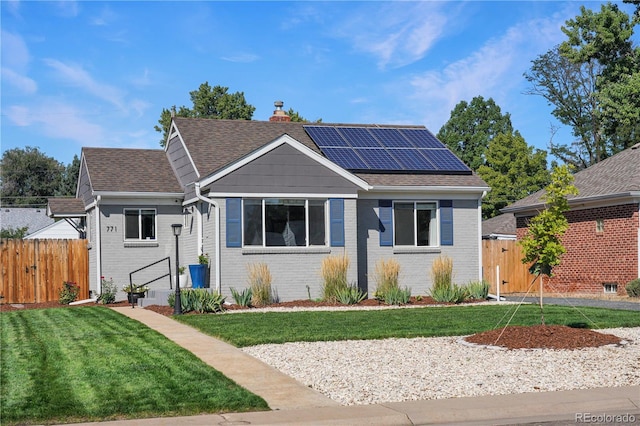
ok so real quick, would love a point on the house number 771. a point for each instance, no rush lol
(112, 229)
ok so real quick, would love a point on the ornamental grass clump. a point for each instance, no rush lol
(199, 300)
(478, 290)
(260, 284)
(443, 290)
(387, 275)
(334, 275)
(242, 298)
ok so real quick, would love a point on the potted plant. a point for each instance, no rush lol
(183, 277)
(199, 272)
(135, 292)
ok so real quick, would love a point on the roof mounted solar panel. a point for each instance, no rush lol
(345, 158)
(444, 160)
(390, 138)
(378, 159)
(410, 160)
(359, 137)
(326, 136)
(422, 138)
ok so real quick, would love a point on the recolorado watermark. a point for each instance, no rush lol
(604, 418)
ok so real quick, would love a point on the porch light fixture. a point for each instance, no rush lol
(177, 306)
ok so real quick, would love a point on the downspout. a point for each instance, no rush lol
(217, 218)
(98, 247)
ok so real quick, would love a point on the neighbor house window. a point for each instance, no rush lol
(415, 223)
(140, 224)
(278, 222)
(599, 225)
(610, 288)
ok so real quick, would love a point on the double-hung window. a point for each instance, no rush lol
(140, 224)
(279, 222)
(415, 223)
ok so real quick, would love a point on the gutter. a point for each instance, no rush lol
(196, 186)
(98, 248)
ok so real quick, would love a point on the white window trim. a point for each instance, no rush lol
(306, 213)
(415, 225)
(139, 210)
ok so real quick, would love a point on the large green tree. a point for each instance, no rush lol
(592, 80)
(513, 170)
(69, 179)
(29, 177)
(471, 127)
(208, 102)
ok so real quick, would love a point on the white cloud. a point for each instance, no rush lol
(495, 70)
(15, 53)
(397, 34)
(241, 58)
(67, 8)
(22, 82)
(58, 120)
(75, 75)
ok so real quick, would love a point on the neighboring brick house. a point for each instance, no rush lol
(286, 194)
(603, 239)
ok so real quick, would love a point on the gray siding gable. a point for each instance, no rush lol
(181, 162)
(284, 170)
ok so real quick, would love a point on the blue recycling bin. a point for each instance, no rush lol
(198, 275)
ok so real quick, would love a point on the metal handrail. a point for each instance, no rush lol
(131, 286)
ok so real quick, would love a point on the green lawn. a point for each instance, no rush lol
(91, 363)
(247, 329)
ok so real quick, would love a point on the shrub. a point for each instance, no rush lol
(450, 294)
(442, 272)
(108, 291)
(334, 275)
(386, 276)
(478, 290)
(350, 295)
(198, 300)
(68, 293)
(633, 288)
(396, 296)
(260, 284)
(242, 298)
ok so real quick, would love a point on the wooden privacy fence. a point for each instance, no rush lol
(33, 270)
(507, 254)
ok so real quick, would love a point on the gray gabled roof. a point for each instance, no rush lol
(17, 217)
(65, 207)
(504, 224)
(213, 144)
(130, 170)
(614, 178)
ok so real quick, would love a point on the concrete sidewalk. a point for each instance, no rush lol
(294, 403)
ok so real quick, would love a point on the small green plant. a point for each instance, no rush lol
(199, 300)
(451, 294)
(260, 284)
(242, 298)
(68, 293)
(134, 288)
(387, 274)
(633, 288)
(182, 270)
(108, 291)
(334, 275)
(396, 296)
(203, 259)
(478, 290)
(350, 295)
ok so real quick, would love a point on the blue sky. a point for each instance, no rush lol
(98, 74)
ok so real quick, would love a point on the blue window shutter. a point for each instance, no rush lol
(336, 221)
(234, 222)
(446, 222)
(385, 213)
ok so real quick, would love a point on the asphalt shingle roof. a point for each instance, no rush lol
(618, 175)
(214, 144)
(66, 206)
(130, 170)
(504, 224)
(16, 218)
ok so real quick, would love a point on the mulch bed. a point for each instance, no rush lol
(511, 337)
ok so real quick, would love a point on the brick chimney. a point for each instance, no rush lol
(279, 114)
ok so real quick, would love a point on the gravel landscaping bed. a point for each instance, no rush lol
(377, 371)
